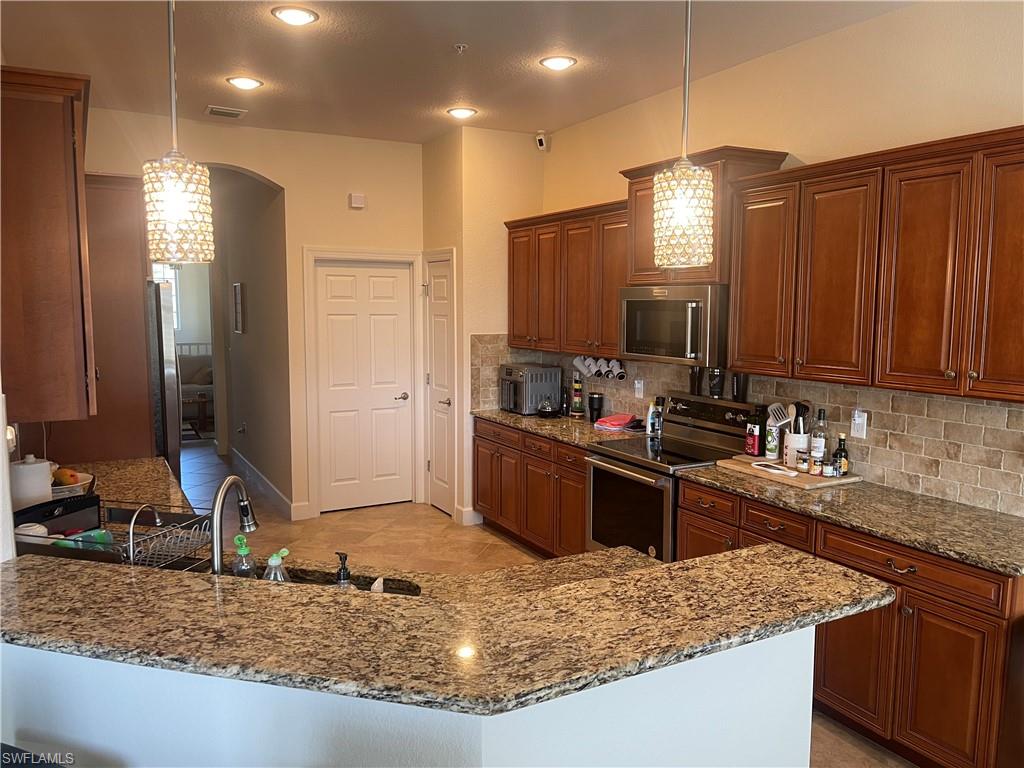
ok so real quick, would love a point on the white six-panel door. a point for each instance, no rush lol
(364, 384)
(441, 391)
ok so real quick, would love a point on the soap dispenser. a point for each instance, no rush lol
(244, 565)
(344, 579)
(275, 569)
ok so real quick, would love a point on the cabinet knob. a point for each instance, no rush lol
(781, 360)
(950, 374)
(906, 610)
(799, 361)
(728, 543)
(972, 375)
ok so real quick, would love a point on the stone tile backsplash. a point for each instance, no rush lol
(951, 447)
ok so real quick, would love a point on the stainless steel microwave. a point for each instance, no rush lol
(676, 324)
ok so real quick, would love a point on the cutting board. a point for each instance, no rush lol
(742, 463)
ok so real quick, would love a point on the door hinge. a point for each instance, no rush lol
(428, 379)
(428, 465)
(426, 289)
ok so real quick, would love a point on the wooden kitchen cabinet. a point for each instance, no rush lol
(994, 352)
(950, 676)
(837, 254)
(580, 283)
(509, 485)
(612, 268)
(761, 294)
(47, 336)
(924, 252)
(534, 279)
(486, 480)
(698, 536)
(570, 512)
(538, 513)
(855, 669)
(726, 165)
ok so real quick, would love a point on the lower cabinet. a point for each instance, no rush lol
(951, 669)
(540, 500)
(697, 536)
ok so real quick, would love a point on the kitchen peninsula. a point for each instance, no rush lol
(541, 665)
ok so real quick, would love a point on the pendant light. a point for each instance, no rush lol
(684, 198)
(179, 214)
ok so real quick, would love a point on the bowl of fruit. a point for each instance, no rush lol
(69, 482)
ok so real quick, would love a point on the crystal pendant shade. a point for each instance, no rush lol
(684, 234)
(179, 214)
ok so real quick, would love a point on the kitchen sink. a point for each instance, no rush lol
(301, 575)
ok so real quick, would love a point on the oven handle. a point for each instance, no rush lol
(622, 472)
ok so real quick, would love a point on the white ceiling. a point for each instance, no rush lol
(388, 70)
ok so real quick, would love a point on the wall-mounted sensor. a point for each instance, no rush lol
(356, 200)
(543, 142)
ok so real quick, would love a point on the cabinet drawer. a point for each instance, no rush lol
(570, 457)
(537, 446)
(893, 562)
(778, 525)
(713, 504)
(499, 434)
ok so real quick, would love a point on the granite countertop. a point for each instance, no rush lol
(578, 432)
(990, 540)
(571, 632)
(137, 481)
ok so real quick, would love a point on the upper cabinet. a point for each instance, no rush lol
(994, 352)
(921, 281)
(726, 165)
(565, 271)
(908, 269)
(47, 351)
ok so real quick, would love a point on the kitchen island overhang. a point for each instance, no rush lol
(586, 672)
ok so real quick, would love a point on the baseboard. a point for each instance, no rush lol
(256, 480)
(303, 510)
(467, 516)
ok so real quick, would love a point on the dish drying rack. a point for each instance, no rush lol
(146, 536)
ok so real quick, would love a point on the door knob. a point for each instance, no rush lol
(403, 396)
(447, 401)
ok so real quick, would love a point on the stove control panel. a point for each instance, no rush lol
(706, 411)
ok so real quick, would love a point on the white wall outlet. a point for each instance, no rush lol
(638, 388)
(859, 423)
(356, 200)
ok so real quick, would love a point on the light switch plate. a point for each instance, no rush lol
(859, 423)
(356, 200)
(638, 388)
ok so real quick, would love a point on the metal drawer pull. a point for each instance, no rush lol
(728, 543)
(770, 527)
(704, 504)
(908, 569)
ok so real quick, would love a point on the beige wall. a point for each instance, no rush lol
(442, 192)
(928, 71)
(249, 226)
(317, 172)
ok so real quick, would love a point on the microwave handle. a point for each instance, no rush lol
(693, 315)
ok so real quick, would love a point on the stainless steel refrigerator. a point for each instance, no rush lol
(163, 373)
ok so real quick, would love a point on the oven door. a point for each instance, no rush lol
(631, 507)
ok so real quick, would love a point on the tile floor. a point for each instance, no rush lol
(420, 538)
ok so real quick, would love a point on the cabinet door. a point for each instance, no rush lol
(697, 536)
(612, 273)
(570, 512)
(951, 661)
(761, 295)
(520, 300)
(835, 279)
(486, 499)
(641, 235)
(920, 286)
(47, 355)
(538, 518)
(994, 355)
(854, 667)
(545, 287)
(579, 274)
(509, 485)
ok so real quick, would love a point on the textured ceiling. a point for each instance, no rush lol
(388, 70)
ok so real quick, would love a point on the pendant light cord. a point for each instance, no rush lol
(172, 75)
(686, 77)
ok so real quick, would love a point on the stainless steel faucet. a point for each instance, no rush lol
(247, 522)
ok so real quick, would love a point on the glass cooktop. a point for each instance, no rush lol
(665, 455)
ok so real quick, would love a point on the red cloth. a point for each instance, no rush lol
(615, 421)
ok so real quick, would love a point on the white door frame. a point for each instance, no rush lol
(449, 255)
(312, 257)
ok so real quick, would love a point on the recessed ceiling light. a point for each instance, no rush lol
(461, 113)
(558, 63)
(294, 15)
(245, 83)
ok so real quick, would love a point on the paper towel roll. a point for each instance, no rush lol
(30, 482)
